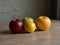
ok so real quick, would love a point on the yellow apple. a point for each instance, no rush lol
(43, 22)
(29, 24)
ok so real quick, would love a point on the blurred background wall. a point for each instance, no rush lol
(23, 8)
(58, 9)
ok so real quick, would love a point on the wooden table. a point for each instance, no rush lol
(49, 37)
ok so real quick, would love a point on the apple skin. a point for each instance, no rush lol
(29, 24)
(28, 19)
(16, 26)
(43, 23)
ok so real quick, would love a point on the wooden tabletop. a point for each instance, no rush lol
(49, 37)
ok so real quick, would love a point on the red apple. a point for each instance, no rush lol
(16, 25)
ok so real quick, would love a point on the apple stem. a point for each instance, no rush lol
(14, 18)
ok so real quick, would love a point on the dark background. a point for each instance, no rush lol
(31, 8)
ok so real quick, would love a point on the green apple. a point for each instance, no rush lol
(28, 19)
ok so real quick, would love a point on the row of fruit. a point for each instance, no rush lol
(29, 25)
